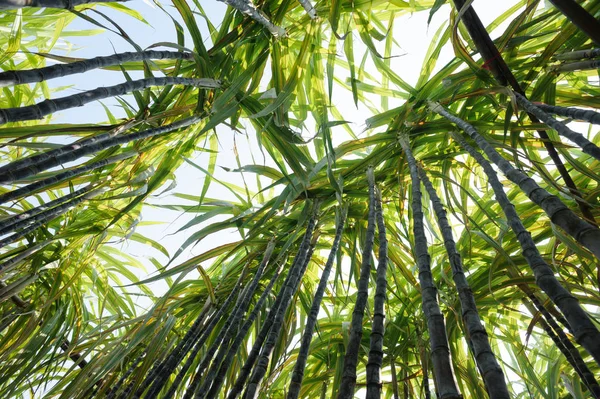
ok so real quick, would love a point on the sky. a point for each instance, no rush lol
(411, 32)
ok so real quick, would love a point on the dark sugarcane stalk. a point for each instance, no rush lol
(584, 330)
(26, 167)
(47, 107)
(311, 322)
(112, 392)
(52, 213)
(586, 146)
(59, 177)
(491, 372)
(229, 329)
(440, 350)
(13, 220)
(190, 338)
(232, 350)
(503, 75)
(577, 66)
(580, 18)
(66, 4)
(194, 332)
(288, 292)
(10, 78)
(582, 231)
(375, 360)
(578, 55)
(267, 324)
(237, 342)
(14, 261)
(159, 384)
(566, 347)
(49, 214)
(573, 113)
(348, 381)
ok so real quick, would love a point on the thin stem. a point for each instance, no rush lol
(586, 146)
(229, 330)
(298, 373)
(26, 167)
(580, 17)
(288, 292)
(348, 383)
(503, 75)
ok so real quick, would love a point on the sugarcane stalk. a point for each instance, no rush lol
(237, 342)
(580, 17)
(26, 167)
(576, 66)
(49, 214)
(566, 347)
(229, 329)
(14, 261)
(47, 107)
(375, 359)
(163, 370)
(10, 78)
(440, 350)
(584, 330)
(582, 231)
(112, 392)
(578, 55)
(66, 4)
(8, 290)
(491, 372)
(311, 322)
(503, 75)
(13, 220)
(288, 291)
(348, 381)
(309, 8)
(574, 113)
(248, 8)
(59, 177)
(44, 218)
(586, 146)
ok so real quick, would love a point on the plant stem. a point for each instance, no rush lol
(584, 329)
(348, 383)
(440, 350)
(586, 146)
(375, 359)
(583, 232)
(491, 372)
(10, 78)
(47, 107)
(298, 373)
